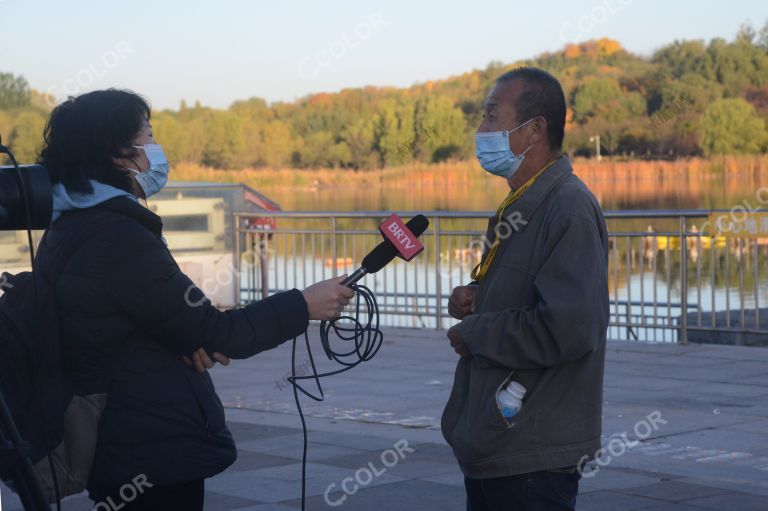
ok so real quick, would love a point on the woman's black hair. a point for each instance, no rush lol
(85, 133)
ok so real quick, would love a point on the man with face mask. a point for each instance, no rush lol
(534, 318)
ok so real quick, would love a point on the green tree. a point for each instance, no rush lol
(315, 149)
(14, 91)
(690, 91)
(683, 57)
(439, 129)
(27, 136)
(738, 65)
(339, 155)
(359, 138)
(169, 132)
(224, 140)
(594, 96)
(762, 37)
(5, 126)
(252, 109)
(732, 126)
(746, 34)
(278, 145)
(395, 132)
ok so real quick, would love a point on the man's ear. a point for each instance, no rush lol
(538, 131)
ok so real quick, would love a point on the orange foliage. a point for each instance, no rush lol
(593, 48)
(606, 46)
(572, 51)
(321, 99)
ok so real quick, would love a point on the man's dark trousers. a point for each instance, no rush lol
(548, 490)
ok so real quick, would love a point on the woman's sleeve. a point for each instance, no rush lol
(150, 288)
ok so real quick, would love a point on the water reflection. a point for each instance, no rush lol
(659, 189)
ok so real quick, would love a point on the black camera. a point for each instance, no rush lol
(26, 201)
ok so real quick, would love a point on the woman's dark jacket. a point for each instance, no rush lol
(127, 315)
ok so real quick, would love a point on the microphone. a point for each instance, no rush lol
(362, 329)
(385, 251)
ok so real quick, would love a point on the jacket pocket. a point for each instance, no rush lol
(208, 402)
(499, 412)
(526, 417)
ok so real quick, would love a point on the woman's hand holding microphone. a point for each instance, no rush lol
(326, 299)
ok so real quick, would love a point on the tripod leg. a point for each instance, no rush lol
(23, 476)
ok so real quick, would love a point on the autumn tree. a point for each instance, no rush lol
(672, 104)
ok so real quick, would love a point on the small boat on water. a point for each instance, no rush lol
(341, 262)
(673, 242)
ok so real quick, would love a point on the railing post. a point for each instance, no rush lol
(438, 284)
(333, 247)
(683, 281)
(238, 300)
(264, 263)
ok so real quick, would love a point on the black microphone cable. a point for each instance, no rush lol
(364, 339)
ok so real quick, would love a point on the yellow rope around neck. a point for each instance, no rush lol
(481, 269)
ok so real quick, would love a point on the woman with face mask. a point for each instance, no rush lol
(127, 318)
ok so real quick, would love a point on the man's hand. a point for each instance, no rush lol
(462, 301)
(457, 342)
(200, 360)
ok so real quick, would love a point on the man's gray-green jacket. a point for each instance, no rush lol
(541, 318)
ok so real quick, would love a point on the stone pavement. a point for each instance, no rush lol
(685, 427)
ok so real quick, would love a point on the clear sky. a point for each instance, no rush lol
(224, 50)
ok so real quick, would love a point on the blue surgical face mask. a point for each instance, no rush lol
(495, 155)
(155, 177)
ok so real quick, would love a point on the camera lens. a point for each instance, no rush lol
(37, 186)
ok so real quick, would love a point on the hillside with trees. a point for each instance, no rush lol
(689, 98)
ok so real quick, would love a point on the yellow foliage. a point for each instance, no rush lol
(606, 46)
(593, 48)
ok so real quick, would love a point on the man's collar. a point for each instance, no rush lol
(520, 212)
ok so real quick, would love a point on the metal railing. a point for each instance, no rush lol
(668, 281)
